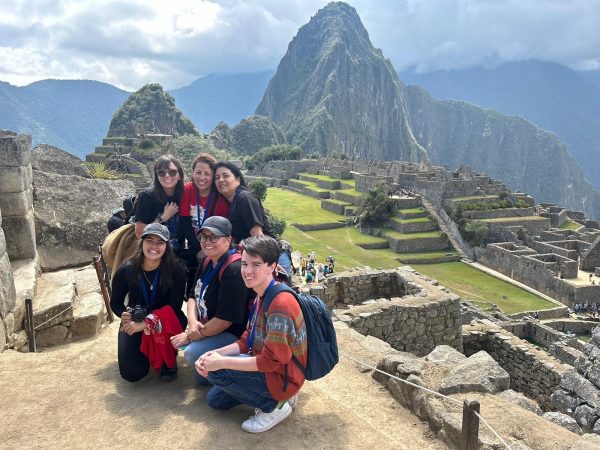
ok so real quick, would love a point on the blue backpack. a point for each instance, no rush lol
(322, 350)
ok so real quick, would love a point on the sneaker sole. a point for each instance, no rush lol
(272, 426)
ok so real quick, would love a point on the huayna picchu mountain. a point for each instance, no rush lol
(334, 92)
(150, 110)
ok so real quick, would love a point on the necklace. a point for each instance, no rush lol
(146, 277)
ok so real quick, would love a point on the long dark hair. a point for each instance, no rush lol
(168, 264)
(233, 169)
(163, 163)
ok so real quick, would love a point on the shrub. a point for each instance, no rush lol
(277, 225)
(98, 170)
(279, 152)
(475, 232)
(259, 187)
(146, 144)
(376, 208)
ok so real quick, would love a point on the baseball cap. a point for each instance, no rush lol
(217, 225)
(118, 210)
(157, 229)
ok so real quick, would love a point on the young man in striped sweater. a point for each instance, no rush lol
(257, 370)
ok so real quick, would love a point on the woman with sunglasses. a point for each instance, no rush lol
(160, 203)
(153, 280)
(217, 306)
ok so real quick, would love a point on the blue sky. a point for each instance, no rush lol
(132, 42)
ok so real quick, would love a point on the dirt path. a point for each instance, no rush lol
(72, 397)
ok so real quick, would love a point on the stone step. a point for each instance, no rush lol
(89, 312)
(419, 225)
(54, 301)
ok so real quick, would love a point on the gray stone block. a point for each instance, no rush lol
(478, 373)
(3, 337)
(16, 203)
(20, 236)
(571, 381)
(88, 315)
(563, 420)
(15, 150)
(15, 179)
(8, 295)
(586, 416)
(564, 402)
(58, 334)
(445, 355)
(521, 400)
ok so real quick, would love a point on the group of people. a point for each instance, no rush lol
(586, 307)
(313, 271)
(208, 242)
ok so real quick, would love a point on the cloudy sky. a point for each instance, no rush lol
(131, 42)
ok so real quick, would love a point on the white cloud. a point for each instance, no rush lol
(132, 42)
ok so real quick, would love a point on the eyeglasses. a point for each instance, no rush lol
(163, 173)
(212, 238)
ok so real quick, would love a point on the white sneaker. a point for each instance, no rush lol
(262, 421)
(293, 402)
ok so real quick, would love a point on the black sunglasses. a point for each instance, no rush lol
(163, 173)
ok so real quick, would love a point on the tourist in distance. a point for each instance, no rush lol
(217, 306)
(154, 282)
(160, 203)
(246, 213)
(253, 370)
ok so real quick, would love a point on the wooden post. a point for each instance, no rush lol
(105, 295)
(469, 439)
(30, 328)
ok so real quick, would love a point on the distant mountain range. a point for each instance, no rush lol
(549, 95)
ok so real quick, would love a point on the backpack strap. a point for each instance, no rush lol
(236, 256)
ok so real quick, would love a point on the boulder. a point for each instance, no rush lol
(400, 364)
(58, 334)
(478, 373)
(586, 416)
(72, 211)
(563, 420)
(88, 315)
(3, 336)
(572, 381)
(521, 400)
(54, 300)
(445, 355)
(49, 159)
(564, 402)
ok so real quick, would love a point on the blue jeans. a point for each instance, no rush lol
(235, 387)
(197, 348)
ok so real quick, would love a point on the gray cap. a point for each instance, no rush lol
(157, 229)
(217, 225)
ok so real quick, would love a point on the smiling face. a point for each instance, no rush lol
(226, 182)
(257, 274)
(214, 250)
(202, 176)
(154, 248)
(169, 182)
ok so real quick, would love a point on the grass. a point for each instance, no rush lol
(405, 236)
(418, 210)
(473, 197)
(338, 202)
(349, 181)
(570, 225)
(482, 288)
(425, 255)
(415, 220)
(513, 219)
(298, 208)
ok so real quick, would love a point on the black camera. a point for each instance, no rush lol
(138, 314)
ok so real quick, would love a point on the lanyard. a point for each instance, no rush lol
(206, 210)
(144, 290)
(254, 318)
(210, 274)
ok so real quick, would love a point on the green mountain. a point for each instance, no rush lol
(69, 114)
(551, 96)
(334, 92)
(150, 110)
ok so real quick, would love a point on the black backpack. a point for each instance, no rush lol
(322, 350)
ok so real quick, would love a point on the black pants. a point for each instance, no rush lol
(133, 364)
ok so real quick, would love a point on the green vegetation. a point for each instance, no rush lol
(280, 152)
(188, 146)
(298, 208)
(98, 170)
(222, 137)
(254, 133)
(475, 231)
(415, 220)
(481, 288)
(259, 187)
(375, 208)
(410, 211)
(405, 236)
(150, 110)
(514, 219)
(425, 255)
(570, 225)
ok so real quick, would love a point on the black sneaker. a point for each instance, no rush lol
(167, 374)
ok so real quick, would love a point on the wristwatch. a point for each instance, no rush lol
(159, 217)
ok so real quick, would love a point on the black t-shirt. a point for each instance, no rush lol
(147, 207)
(125, 281)
(226, 299)
(245, 212)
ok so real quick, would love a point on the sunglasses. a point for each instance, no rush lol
(163, 173)
(212, 238)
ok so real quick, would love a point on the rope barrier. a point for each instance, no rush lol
(53, 317)
(492, 430)
(427, 390)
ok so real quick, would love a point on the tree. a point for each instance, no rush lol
(187, 147)
(376, 208)
(256, 132)
(475, 231)
(279, 152)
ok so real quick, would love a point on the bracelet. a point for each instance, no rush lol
(159, 217)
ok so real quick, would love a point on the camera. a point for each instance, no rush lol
(138, 314)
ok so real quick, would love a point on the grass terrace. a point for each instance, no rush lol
(415, 220)
(513, 219)
(402, 236)
(570, 225)
(483, 289)
(349, 181)
(298, 208)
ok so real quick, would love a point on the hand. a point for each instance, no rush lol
(125, 318)
(169, 211)
(209, 362)
(180, 339)
(194, 330)
(133, 327)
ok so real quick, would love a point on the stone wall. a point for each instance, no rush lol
(16, 195)
(531, 371)
(418, 245)
(334, 206)
(8, 295)
(497, 213)
(415, 325)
